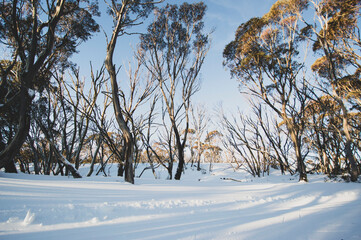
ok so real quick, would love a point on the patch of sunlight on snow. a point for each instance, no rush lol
(339, 198)
(324, 204)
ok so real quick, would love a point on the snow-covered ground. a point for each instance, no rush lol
(200, 206)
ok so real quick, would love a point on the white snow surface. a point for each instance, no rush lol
(199, 206)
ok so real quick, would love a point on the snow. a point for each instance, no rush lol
(200, 206)
(31, 92)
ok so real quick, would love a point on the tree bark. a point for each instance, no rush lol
(13, 148)
(180, 167)
(180, 149)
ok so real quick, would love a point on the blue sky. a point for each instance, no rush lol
(217, 86)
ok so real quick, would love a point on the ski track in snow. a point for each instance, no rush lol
(200, 206)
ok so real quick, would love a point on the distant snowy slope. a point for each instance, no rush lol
(200, 206)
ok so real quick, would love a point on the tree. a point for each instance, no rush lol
(264, 57)
(39, 35)
(337, 39)
(212, 150)
(141, 87)
(257, 141)
(162, 148)
(175, 48)
(200, 122)
(81, 104)
(324, 134)
(125, 14)
(279, 146)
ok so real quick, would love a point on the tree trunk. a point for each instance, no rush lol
(348, 150)
(199, 155)
(36, 156)
(67, 164)
(170, 169)
(10, 167)
(91, 169)
(128, 163)
(299, 158)
(128, 140)
(300, 164)
(199, 163)
(334, 77)
(351, 159)
(120, 170)
(13, 148)
(180, 167)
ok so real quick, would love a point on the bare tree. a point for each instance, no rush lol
(200, 121)
(140, 88)
(51, 123)
(244, 135)
(82, 105)
(147, 135)
(175, 49)
(159, 140)
(275, 137)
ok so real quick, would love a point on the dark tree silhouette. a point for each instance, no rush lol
(39, 35)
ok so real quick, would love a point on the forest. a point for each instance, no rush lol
(299, 65)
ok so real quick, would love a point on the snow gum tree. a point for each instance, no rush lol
(175, 47)
(336, 37)
(125, 14)
(264, 58)
(38, 35)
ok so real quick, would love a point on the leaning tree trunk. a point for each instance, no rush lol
(109, 65)
(13, 148)
(74, 172)
(128, 139)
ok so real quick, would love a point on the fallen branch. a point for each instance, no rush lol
(232, 179)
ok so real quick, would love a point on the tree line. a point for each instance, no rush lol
(54, 120)
(304, 115)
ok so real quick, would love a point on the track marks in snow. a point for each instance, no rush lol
(104, 208)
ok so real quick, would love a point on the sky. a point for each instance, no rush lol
(217, 87)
